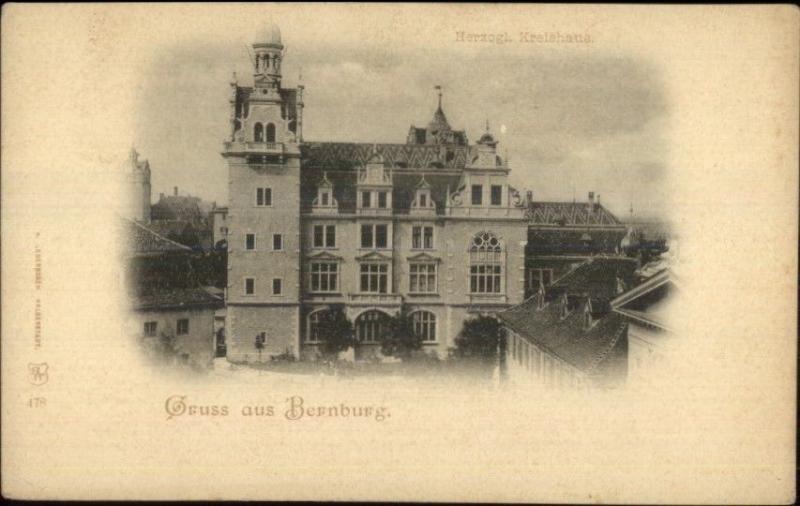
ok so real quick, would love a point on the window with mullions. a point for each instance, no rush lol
(422, 278)
(424, 325)
(486, 264)
(422, 237)
(370, 326)
(374, 278)
(324, 277)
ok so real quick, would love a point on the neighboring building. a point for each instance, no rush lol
(561, 234)
(645, 307)
(184, 219)
(168, 305)
(219, 221)
(137, 188)
(567, 334)
(432, 224)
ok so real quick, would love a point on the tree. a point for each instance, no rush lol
(335, 330)
(167, 346)
(400, 340)
(260, 338)
(481, 338)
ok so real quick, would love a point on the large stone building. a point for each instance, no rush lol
(431, 224)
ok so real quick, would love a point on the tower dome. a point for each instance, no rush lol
(269, 34)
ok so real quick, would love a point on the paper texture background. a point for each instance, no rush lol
(720, 427)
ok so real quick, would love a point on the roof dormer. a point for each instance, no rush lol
(374, 186)
(423, 203)
(325, 203)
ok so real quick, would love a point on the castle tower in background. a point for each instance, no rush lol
(263, 156)
(137, 188)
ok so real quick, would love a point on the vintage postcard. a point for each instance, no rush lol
(407, 252)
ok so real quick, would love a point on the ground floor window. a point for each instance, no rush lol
(425, 325)
(183, 326)
(315, 320)
(150, 329)
(370, 326)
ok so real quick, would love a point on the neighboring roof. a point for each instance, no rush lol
(597, 277)
(143, 241)
(159, 298)
(563, 240)
(567, 338)
(571, 214)
(177, 207)
(646, 301)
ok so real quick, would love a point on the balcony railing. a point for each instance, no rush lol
(272, 148)
(376, 298)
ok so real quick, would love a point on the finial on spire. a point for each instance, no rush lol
(438, 88)
(487, 125)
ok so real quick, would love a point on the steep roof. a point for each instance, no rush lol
(144, 241)
(177, 207)
(346, 155)
(567, 338)
(600, 278)
(571, 214)
(161, 298)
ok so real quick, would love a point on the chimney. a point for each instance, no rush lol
(175, 190)
(597, 204)
(529, 196)
(591, 202)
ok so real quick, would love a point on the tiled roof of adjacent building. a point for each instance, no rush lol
(571, 214)
(600, 278)
(566, 338)
(160, 298)
(143, 241)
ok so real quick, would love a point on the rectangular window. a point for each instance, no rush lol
(497, 195)
(325, 198)
(423, 200)
(183, 326)
(374, 278)
(484, 278)
(365, 199)
(477, 195)
(422, 278)
(319, 236)
(277, 242)
(150, 329)
(250, 242)
(324, 236)
(381, 240)
(428, 237)
(277, 285)
(330, 236)
(263, 197)
(324, 277)
(374, 236)
(422, 237)
(536, 276)
(249, 286)
(366, 236)
(382, 200)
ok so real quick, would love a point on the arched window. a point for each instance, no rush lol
(486, 264)
(424, 325)
(315, 319)
(270, 132)
(258, 132)
(370, 326)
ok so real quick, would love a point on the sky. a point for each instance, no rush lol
(570, 122)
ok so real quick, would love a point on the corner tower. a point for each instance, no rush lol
(263, 158)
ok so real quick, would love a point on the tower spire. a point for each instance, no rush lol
(438, 88)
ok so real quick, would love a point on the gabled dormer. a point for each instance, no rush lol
(423, 203)
(325, 203)
(374, 187)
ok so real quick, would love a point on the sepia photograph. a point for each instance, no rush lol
(370, 252)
